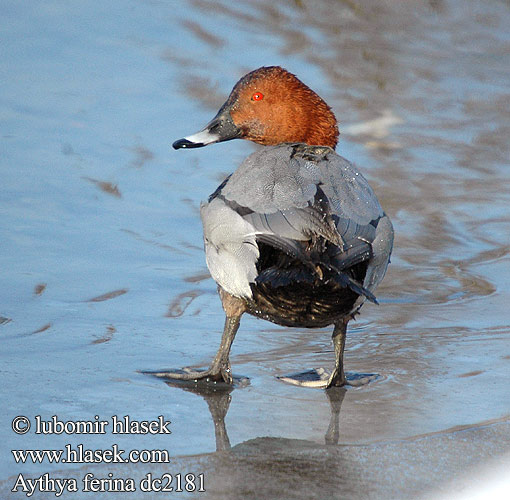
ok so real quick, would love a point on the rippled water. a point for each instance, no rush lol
(103, 272)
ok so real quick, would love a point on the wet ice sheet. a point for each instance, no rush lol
(103, 271)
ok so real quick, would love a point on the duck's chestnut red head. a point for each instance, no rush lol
(269, 106)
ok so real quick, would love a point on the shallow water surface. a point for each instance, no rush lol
(103, 272)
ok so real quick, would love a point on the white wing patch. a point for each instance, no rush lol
(231, 250)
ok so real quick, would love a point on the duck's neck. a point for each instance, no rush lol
(311, 122)
(315, 127)
(322, 128)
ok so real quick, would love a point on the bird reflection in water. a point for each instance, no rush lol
(219, 396)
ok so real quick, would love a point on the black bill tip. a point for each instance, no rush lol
(185, 144)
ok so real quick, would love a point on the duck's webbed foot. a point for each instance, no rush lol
(336, 379)
(188, 374)
(316, 378)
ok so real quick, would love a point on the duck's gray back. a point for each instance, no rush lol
(284, 195)
(286, 176)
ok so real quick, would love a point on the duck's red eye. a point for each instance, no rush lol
(257, 96)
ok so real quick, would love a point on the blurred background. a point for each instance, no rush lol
(102, 267)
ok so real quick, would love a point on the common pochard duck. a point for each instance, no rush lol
(295, 235)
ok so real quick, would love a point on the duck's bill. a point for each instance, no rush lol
(198, 140)
(220, 128)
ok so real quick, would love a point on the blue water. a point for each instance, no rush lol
(93, 201)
